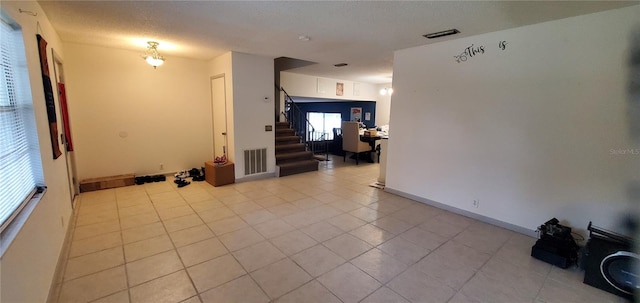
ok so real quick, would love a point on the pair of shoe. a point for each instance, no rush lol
(182, 174)
(181, 182)
(148, 179)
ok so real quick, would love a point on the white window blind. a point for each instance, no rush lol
(20, 163)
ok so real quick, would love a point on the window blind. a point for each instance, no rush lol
(20, 164)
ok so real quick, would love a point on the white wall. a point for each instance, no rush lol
(253, 82)
(28, 265)
(383, 105)
(127, 117)
(528, 130)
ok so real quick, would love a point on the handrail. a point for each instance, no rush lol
(301, 125)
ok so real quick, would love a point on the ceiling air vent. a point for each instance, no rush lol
(340, 64)
(448, 32)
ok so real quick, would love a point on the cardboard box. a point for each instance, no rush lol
(218, 175)
(370, 133)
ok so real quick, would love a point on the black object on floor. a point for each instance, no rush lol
(610, 264)
(556, 245)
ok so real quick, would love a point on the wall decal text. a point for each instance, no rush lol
(473, 50)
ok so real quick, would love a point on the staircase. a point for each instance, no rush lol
(291, 154)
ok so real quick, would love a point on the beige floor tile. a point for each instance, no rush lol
(138, 220)
(94, 244)
(441, 227)
(227, 225)
(322, 231)
(346, 222)
(202, 251)
(97, 229)
(403, 250)
(132, 201)
(241, 238)
(461, 256)
(442, 269)
(347, 246)
(169, 203)
(233, 199)
(372, 234)
(384, 295)
(392, 225)
(138, 209)
(175, 212)
(291, 196)
(384, 207)
(416, 286)
(197, 197)
(171, 288)
(182, 222)
(244, 207)
(409, 217)
(206, 205)
(143, 232)
(284, 209)
(90, 217)
(270, 201)
(258, 216)
(301, 219)
(345, 205)
(243, 289)
(258, 255)
(379, 265)
(317, 260)
(312, 292)
(194, 299)
(480, 241)
(326, 197)
(257, 194)
(281, 277)
(94, 286)
(486, 289)
(149, 268)
(215, 272)
(216, 214)
(520, 279)
(367, 214)
(142, 249)
(349, 283)
(307, 203)
(423, 238)
(191, 235)
(273, 228)
(119, 297)
(94, 262)
(293, 242)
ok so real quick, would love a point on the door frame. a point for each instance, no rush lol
(225, 147)
(72, 173)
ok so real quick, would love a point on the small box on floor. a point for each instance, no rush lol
(218, 175)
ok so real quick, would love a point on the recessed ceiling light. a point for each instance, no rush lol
(340, 64)
(304, 38)
(448, 32)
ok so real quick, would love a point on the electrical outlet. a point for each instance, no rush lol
(476, 203)
(161, 166)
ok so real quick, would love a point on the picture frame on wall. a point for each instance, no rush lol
(339, 89)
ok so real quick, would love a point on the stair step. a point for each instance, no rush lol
(283, 132)
(293, 157)
(282, 125)
(287, 140)
(298, 167)
(284, 148)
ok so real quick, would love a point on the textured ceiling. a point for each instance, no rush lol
(363, 33)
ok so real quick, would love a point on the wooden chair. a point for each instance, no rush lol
(351, 141)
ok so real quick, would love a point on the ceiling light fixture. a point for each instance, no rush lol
(448, 32)
(386, 90)
(304, 38)
(152, 56)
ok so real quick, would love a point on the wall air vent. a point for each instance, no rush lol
(340, 64)
(448, 32)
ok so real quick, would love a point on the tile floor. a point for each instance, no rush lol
(322, 237)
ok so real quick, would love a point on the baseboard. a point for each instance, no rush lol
(466, 213)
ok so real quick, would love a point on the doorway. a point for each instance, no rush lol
(219, 115)
(58, 69)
